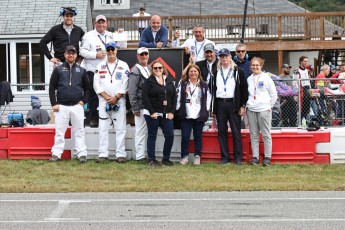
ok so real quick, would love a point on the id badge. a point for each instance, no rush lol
(165, 102)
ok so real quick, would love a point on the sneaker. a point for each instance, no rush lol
(154, 163)
(184, 160)
(94, 123)
(167, 162)
(101, 159)
(54, 159)
(82, 159)
(196, 160)
(121, 160)
(267, 161)
(255, 161)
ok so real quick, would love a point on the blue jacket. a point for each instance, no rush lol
(146, 39)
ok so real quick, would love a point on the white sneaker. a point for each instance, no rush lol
(184, 160)
(196, 160)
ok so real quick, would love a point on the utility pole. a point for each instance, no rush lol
(244, 21)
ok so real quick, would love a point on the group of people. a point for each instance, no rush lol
(221, 86)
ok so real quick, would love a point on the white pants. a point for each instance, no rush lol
(104, 123)
(140, 135)
(62, 118)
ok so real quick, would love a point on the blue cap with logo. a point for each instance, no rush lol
(110, 44)
(224, 51)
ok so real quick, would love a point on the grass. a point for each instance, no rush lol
(70, 176)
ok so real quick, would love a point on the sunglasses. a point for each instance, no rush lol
(240, 51)
(144, 54)
(111, 49)
(158, 68)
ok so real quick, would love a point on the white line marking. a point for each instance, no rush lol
(62, 206)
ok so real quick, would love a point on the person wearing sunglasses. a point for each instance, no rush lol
(62, 35)
(140, 73)
(242, 59)
(110, 84)
(193, 110)
(93, 51)
(159, 97)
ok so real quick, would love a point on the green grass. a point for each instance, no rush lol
(71, 176)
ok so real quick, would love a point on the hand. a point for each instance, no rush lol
(242, 111)
(170, 116)
(56, 108)
(101, 54)
(81, 103)
(159, 45)
(55, 61)
(111, 100)
(154, 116)
(136, 113)
(186, 50)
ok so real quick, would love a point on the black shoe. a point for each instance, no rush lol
(267, 161)
(101, 159)
(255, 161)
(54, 159)
(154, 163)
(142, 160)
(167, 162)
(121, 160)
(82, 159)
(94, 123)
(224, 162)
(238, 163)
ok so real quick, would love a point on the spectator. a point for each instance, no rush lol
(262, 96)
(36, 115)
(94, 52)
(68, 91)
(159, 95)
(193, 111)
(111, 83)
(142, 24)
(194, 47)
(230, 91)
(288, 104)
(154, 36)
(242, 59)
(332, 72)
(301, 73)
(140, 73)
(62, 35)
(336, 75)
(321, 109)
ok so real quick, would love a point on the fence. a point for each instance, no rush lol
(324, 103)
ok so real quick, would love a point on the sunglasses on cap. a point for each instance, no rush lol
(110, 49)
(158, 68)
(144, 54)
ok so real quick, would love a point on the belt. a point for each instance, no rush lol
(225, 99)
(69, 103)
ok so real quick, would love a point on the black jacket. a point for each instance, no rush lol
(58, 35)
(240, 94)
(204, 70)
(154, 94)
(69, 90)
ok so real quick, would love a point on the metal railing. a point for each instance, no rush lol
(228, 28)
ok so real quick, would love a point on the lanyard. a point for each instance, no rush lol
(148, 74)
(190, 90)
(227, 77)
(196, 47)
(111, 74)
(105, 39)
(255, 85)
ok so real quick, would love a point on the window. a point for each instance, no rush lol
(111, 4)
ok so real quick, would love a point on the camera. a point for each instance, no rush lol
(115, 107)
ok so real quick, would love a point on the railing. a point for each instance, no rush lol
(228, 28)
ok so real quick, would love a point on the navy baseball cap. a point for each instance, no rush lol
(224, 51)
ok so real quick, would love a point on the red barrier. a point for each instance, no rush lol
(211, 148)
(33, 143)
(3, 143)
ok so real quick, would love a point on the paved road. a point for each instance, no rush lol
(215, 210)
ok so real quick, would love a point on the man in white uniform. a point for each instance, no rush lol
(110, 84)
(142, 24)
(93, 51)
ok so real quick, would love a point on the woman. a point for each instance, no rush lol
(159, 98)
(194, 100)
(262, 97)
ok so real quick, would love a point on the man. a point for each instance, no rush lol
(288, 104)
(71, 84)
(62, 35)
(208, 67)
(142, 24)
(320, 109)
(154, 36)
(110, 84)
(341, 70)
(93, 51)
(231, 95)
(332, 72)
(140, 72)
(194, 47)
(301, 73)
(242, 60)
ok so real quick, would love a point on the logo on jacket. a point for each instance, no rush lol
(118, 76)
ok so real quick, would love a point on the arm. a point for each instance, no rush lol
(85, 49)
(86, 86)
(164, 36)
(272, 91)
(48, 37)
(146, 99)
(146, 39)
(52, 86)
(133, 83)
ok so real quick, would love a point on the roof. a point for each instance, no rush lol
(194, 7)
(22, 17)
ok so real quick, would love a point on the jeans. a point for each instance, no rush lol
(93, 98)
(186, 128)
(167, 127)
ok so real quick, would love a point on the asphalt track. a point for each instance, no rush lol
(206, 210)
